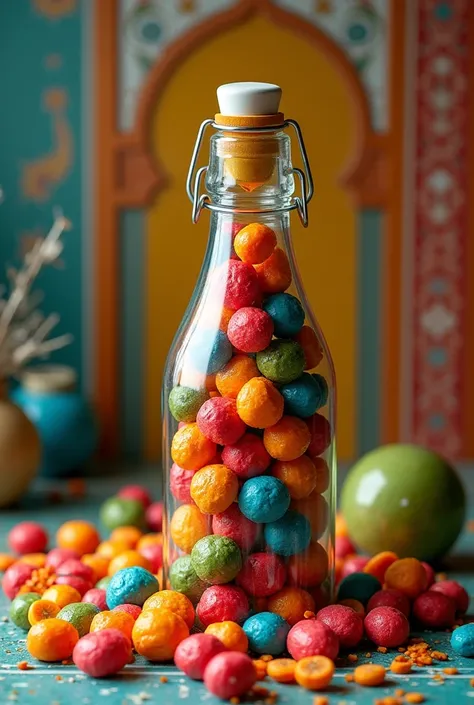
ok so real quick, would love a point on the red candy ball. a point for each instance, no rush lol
(455, 591)
(14, 577)
(103, 653)
(219, 421)
(180, 483)
(96, 597)
(81, 585)
(57, 556)
(154, 516)
(250, 330)
(320, 430)
(311, 637)
(434, 610)
(345, 623)
(344, 547)
(136, 492)
(153, 552)
(28, 537)
(390, 598)
(133, 610)
(222, 603)
(230, 674)
(233, 524)
(194, 653)
(76, 568)
(387, 626)
(430, 574)
(354, 564)
(247, 457)
(262, 574)
(242, 287)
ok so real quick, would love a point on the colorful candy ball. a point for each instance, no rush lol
(282, 361)
(185, 402)
(288, 535)
(434, 610)
(133, 610)
(136, 492)
(264, 499)
(291, 603)
(153, 552)
(188, 525)
(288, 439)
(286, 313)
(157, 633)
(214, 488)
(80, 615)
(210, 350)
(274, 274)
(216, 559)
(174, 602)
(262, 574)
(304, 396)
(27, 537)
(230, 674)
(312, 637)
(221, 603)
(218, 420)
(452, 589)
(132, 586)
(15, 577)
(358, 586)
(242, 287)
(51, 640)
(120, 511)
(97, 597)
(19, 609)
(180, 483)
(103, 653)
(233, 524)
(191, 449)
(266, 633)
(390, 598)
(194, 653)
(250, 329)
(313, 352)
(154, 516)
(462, 640)
(387, 626)
(344, 622)
(259, 403)
(79, 535)
(59, 555)
(183, 578)
(300, 476)
(238, 371)
(230, 634)
(254, 243)
(247, 457)
(320, 431)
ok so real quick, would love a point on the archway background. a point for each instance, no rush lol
(315, 90)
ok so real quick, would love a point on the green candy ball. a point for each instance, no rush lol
(118, 511)
(103, 582)
(183, 578)
(19, 609)
(80, 615)
(405, 499)
(185, 402)
(282, 361)
(216, 559)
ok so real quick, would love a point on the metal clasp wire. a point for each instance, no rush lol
(200, 201)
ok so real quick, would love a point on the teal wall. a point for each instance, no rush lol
(39, 53)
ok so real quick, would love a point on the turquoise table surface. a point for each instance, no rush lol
(140, 682)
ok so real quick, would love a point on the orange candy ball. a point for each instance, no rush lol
(310, 568)
(128, 559)
(313, 352)
(128, 535)
(6, 561)
(255, 243)
(190, 449)
(298, 475)
(187, 526)
(379, 564)
(81, 536)
(288, 439)
(36, 559)
(42, 609)
(157, 633)
(174, 602)
(316, 510)
(214, 488)
(230, 634)
(322, 475)
(259, 403)
(291, 603)
(52, 640)
(98, 563)
(237, 372)
(62, 595)
(150, 540)
(110, 549)
(274, 274)
(113, 620)
(406, 575)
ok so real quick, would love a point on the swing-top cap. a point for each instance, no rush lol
(249, 103)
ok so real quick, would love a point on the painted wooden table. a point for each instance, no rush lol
(140, 683)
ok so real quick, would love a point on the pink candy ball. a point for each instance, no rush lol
(430, 574)
(136, 492)
(312, 637)
(28, 537)
(230, 674)
(234, 525)
(242, 287)
(262, 574)
(194, 653)
(390, 598)
(219, 421)
(455, 591)
(434, 610)
(344, 547)
(81, 585)
(250, 330)
(222, 603)
(247, 457)
(180, 483)
(14, 577)
(355, 564)
(57, 556)
(344, 622)
(154, 516)
(153, 552)
(387, 626)
(96, 597)
(133, 610)
(103, 653)
(76, 568)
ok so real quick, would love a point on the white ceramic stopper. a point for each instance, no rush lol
(248, 98)
(49, 378)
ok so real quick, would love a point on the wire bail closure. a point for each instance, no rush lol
(202, 200)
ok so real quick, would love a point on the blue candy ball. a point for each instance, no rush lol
(263, 499)
(358, 586)
(131, 586)
(303, 397)
(323, 385)
(462, 640)
(289, 535)
(266, 633)
(210, 350)
(286, 312)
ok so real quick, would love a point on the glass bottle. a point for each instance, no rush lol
(249, 386)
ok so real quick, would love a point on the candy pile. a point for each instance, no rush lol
(248, 477)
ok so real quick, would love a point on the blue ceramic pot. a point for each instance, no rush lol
(64, 420)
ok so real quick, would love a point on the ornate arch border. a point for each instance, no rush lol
(128, 176)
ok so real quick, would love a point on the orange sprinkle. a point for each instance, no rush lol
(59, 678)
(399, 692)
(23, 666)
(320, 700)
(451, 671)
(261, 668)
(309, 615)
(368, 654)
(349, 678)
(266, 657)
(369, 675)
(163, 679)
(439, 655)
(382, 649)
(400, 667)
(438, 677)
(352, 658)
(414, 698)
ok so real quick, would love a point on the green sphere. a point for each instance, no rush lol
(80, 615)
(19, 609)
(183, 578)
(282, 361)
(103, 583)
(406, 499)
(118, 511)
(185, 402)
(216, 559)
